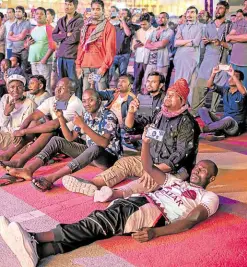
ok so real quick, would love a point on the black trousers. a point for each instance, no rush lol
(100, 224)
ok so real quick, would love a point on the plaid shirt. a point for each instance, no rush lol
(105, 122)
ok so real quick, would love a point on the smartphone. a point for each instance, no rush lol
(96, 77)
(61, 105)
(88, 9)
(224, 67)
(155, 134)
(146, 105)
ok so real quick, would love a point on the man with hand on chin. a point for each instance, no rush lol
(176, 208)
(102, 148)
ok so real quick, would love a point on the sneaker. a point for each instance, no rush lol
(79, 185)
(4, 223)
(213, 138)
(103, 195)
(23, 245)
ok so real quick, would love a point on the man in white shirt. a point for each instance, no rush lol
(7, 25)
(176, 208)
(141, 53)
(14, 109)
(31, 126)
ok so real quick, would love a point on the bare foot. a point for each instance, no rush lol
(20, 172)
(12, 164)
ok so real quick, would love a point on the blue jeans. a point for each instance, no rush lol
(66, 68)
(139, 71)
(244, 70)
(226, 124)
(121, 62)
(9, 53)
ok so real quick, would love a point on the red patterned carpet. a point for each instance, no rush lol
(219, 241)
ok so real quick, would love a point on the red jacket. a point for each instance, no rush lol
(99, 53)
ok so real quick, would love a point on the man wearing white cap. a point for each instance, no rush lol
(14, 109)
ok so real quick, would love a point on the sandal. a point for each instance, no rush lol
(9, 179)
(42, 184)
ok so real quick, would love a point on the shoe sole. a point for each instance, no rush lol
(78, 185)
(103, 195)
(21, 246)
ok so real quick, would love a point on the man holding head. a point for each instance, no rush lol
(41, 47)
(158, 43)
(31, 127)
(176, 208)
(175, 154)
(187, 41)
(14, 109)
(97, 47)
(100, 128)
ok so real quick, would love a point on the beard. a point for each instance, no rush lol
(162, 24)
(219, 16)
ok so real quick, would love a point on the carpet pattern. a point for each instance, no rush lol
(219, 241)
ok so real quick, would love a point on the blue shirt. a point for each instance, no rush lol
(234, 103)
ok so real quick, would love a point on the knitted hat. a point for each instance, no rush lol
(181, 88)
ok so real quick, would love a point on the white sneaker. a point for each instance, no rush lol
(4, 223)
(103, 195)
(79, 185)
(23, 245)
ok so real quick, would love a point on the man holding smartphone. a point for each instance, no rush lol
(216, 52)
(175, 154)
(234, 102)
(141, 53)
(31, 127)
(124, 34)
(97, 47)
(98, 127)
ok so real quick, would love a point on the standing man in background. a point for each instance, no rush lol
(19, 31)
(67, 34)
(7, 25)
(187, 41)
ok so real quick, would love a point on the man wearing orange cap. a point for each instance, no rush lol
(175, 153)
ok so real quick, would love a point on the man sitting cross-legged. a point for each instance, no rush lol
(175, 153)
(64, 92)
(14, 109)
(234, 102)
(176, 208)
(102, 134)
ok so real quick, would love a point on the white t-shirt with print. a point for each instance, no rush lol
(178, 198)
(74, 105)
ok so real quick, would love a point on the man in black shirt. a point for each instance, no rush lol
(125, 32)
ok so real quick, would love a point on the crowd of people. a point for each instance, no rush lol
(65, 88)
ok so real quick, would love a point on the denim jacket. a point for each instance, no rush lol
(111, 96)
